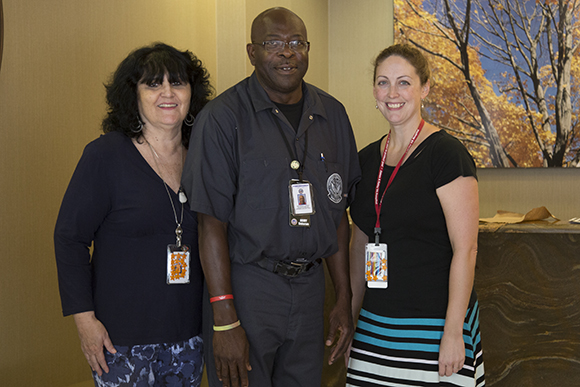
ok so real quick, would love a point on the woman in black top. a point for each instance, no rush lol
(419, 318)
(136, 300)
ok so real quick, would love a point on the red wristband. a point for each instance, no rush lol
(221, 298)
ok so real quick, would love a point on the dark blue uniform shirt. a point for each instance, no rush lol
(238, 171)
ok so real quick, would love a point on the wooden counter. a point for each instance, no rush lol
(528, 283)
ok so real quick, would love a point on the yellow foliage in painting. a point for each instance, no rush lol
(450, 103)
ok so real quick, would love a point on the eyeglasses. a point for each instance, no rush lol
(280, 45)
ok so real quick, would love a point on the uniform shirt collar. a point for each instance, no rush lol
(261, 101)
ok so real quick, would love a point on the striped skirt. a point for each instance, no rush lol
(404, 352)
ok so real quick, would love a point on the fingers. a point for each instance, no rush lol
(97, 361)
(451, 354)
(243, 375)
(109, 345)
(343, 328)
(225, 375)
(218, 369)
(449, 369)
(102, 363)
(232, 357)
(233, 374)
(101, 355)
(329, 340)
(94, 364)
(331, 334)
(92, 352)
(94, 339)
(341, 347)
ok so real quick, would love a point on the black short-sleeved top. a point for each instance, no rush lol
(117, 201)
(413, 224)
(238, 171)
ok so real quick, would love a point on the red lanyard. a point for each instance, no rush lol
(378, 204)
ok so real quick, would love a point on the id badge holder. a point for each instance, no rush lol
(301, 198)
(177, 264)
(301, 203)
(376, 271)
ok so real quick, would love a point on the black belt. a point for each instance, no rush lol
(288, 269)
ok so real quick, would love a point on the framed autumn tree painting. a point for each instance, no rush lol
(505, 76)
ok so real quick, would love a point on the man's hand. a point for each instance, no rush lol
(341, 315)
(232, 357)
(94, 337)
(341, 325)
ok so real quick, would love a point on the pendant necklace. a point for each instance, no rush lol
(181, 194)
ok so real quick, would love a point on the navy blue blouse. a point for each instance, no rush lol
(118, 204)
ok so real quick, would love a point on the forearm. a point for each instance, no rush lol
(215, 262)
(230, 347)
(338, 265)
(461, 278)
(340, 317)
(357, 272)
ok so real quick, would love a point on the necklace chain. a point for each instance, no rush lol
(178, 230)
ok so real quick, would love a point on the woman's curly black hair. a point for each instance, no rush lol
(150, 64)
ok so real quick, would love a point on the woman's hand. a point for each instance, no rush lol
(451, 354)
(94, 337)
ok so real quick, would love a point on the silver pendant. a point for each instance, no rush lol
(182, 197)
(178, 234)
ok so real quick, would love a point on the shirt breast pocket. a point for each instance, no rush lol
(264, 182)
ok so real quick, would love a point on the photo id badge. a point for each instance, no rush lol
(301, 198)
(376, 265)
(177, 264)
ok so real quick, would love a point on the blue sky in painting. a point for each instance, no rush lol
(493, 68)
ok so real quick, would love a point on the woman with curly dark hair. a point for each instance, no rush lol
(136, 300)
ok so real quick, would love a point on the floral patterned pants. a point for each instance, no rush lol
(168, 365)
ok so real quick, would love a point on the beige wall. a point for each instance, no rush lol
(57, 54)
(520, 190)
(358, 31)
(234, 19)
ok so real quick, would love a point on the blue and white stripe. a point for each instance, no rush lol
(402, 352)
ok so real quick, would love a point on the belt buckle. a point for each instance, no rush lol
(288, 269)
(298, 267)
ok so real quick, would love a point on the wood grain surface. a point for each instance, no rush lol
(528, 284)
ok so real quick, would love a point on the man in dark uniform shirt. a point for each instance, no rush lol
(253, 149)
